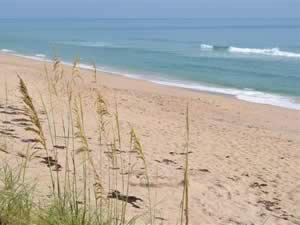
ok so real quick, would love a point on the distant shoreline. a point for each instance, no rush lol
(277, 101)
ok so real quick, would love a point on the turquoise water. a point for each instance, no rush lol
(255, 60)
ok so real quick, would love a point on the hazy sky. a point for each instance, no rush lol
(149, 8)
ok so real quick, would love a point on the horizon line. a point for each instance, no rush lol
(145, 18)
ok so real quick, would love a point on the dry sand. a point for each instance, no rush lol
(244, 160)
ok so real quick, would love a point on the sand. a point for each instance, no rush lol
(244, 160)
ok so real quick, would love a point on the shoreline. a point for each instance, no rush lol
(247, 95)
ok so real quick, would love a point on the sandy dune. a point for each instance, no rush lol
(244, 160)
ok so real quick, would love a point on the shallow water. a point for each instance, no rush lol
(255, 60)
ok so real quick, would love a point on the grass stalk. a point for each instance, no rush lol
(185, 196)
(32, 114)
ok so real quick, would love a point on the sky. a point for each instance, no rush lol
(149, 8)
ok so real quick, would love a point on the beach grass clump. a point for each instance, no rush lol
(92, 185)
(32, 114)
(56, 213)
(36, 128)
(16, 198)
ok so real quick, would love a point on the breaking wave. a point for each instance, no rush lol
(249, 51)
(248, 95)
(7, 50)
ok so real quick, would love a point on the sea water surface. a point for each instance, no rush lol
(256, 60)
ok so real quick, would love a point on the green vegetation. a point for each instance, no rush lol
(81, 192)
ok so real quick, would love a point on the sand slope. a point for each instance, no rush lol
(244, 160)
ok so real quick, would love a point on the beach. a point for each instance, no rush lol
(243, 157)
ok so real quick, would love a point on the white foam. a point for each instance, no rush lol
(256, 51)
(246, 94)
(7, 50)
(40, 55)
(34, 58)
(269, 52)
(206, 47)
(269, 99)
(85, 66)
(111, 71)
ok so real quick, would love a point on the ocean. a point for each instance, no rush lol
(256, 60)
